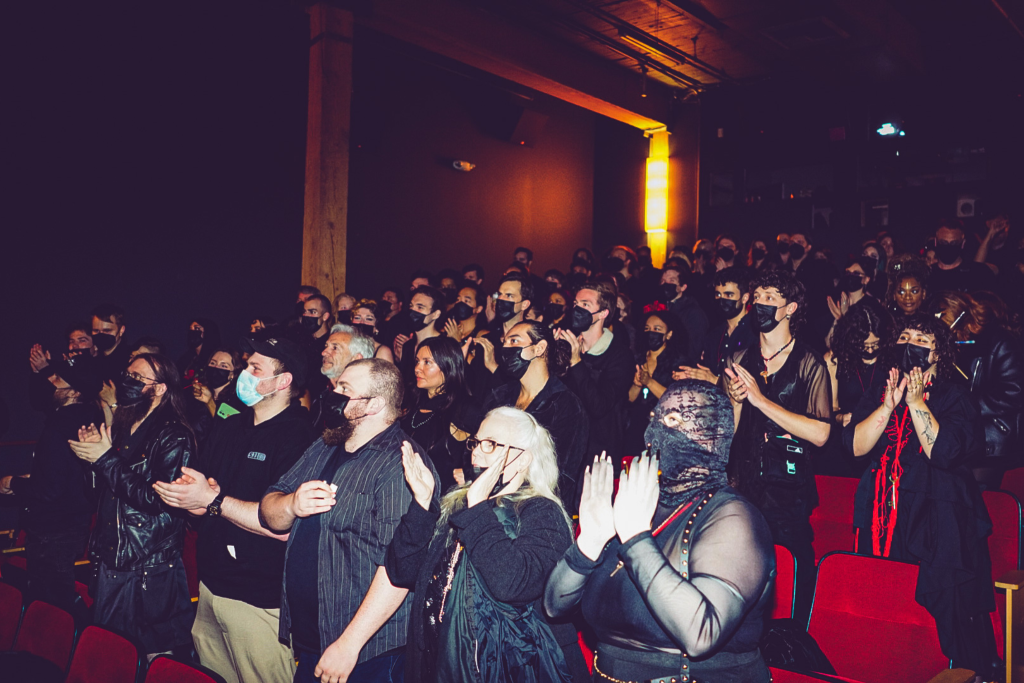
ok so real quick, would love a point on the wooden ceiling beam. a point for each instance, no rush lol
(487, 42)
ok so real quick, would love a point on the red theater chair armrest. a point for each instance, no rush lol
(1011, 581)
(954, 676)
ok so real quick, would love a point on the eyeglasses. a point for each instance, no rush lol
(488, 446)
(139, 378)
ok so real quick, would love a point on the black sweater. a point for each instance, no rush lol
(515, 570)
(602, 385)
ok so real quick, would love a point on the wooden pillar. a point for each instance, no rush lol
(324, 229)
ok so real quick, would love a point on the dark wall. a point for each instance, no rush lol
(155, 157)
(412, 116)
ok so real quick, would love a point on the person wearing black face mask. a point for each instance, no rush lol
(734, 333)
(952, 272)
(108, 331)
(757, 257)
(315, 327)
(515, 296)
(919, 432)
(661, 350)
(138, 541)
(213, 391)
(202, 339)
(532, 364)
(782, 404)
(463, 315)
(364, 319)
(675, 285)
(726, 251)
(853, 287)
(426, 306)
(857, 366)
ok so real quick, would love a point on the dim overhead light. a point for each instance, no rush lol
(889, 129)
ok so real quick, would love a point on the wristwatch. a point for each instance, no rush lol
(214, 508)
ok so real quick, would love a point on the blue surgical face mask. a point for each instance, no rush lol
(246, 388)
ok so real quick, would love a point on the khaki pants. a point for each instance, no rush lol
(239, 641)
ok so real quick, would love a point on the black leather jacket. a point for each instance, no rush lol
(996, 383)
(134, 527)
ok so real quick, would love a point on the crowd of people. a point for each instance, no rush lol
(448, 481)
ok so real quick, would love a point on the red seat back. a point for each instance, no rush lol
(83, 591)
(1003, 547)
(832, 520)
(48, 632)
(785, 676)
(785, 584)
(1013, 481)
(868, 624)
(10, 614)
(163, 669)
(103, 657)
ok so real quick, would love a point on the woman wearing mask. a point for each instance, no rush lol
(908, 286)
(202, 339)
(464, 316)
(441, 414)
(532, 363)
(680, 565)
(874, 251)
(364, 319)
(989, 354)
(918, 501)
(757, 257)
(860, 339)
(484, 553)
(726, 251)
(214, 391)
(662, 348)
(853, 286)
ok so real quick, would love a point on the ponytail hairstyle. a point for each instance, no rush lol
(558, 353)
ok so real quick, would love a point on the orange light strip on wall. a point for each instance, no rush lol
(656, 197)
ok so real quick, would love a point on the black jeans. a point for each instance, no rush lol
(793, 531)
(50, 564)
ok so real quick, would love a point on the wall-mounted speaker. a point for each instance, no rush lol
(965, 206)
(529, 128)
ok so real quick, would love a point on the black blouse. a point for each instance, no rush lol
(648, 605)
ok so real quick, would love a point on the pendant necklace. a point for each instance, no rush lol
(764, 373)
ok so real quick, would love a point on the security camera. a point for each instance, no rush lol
(463, 166)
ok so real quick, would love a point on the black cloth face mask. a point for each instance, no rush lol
(797, 251)
(915, 356)
(194, 338)
(948, 253)
(104, 341)
(553, 311)
(130, 391)
(418, 320)
(655, 340)
(333, 409)
(580, 320)
(310, 323)
(765, 314)
(726, 254)
(782, 248)
(669, 292)
(461, 311)
(217, 377)
(757, 253)
(730, 307)
(504, 310)
(366, 330)
(850, 282)
(513, 365)
(868, 355)
(345, 317)
(692, 454)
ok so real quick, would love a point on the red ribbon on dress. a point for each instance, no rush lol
(887, 484)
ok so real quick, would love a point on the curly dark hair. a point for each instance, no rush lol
(944, 347)
(791, 289)
(902, 267)
(852, 331)
(558, 353)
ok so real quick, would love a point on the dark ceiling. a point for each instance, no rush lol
(698, 45)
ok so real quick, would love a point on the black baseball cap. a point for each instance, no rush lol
(284, 351)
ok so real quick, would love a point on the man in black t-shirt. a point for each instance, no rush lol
(241, 564)
(952, 273)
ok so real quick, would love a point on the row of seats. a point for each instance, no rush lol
(92, 655)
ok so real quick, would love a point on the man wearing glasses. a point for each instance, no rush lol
(341, 503)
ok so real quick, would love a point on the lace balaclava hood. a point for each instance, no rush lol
(690, 432)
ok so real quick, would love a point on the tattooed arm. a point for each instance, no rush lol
(925, 424)
(867, 433)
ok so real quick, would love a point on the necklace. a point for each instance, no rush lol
(417, 426)
(769, 359)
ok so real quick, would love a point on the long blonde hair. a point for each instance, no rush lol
(541, 477)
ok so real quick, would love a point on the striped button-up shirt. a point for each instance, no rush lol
(354, 534)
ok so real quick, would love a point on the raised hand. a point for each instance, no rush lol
(637, 499)
(312, 498)
(451, 328)
(699, 372)
(597, 517)
(574, 344)
(488, 348)
(480, 490)
(92, 443)
(916, 383)
(417, 475)
(894, 389)
(399, 343)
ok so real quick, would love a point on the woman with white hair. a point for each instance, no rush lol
(478, 562)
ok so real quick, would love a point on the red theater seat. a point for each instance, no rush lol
(104, 657)
(832, 520)
(785, 584)
(163, 669)
(1003, 547)
(48, 632)
(868, 624)
(11, 607)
